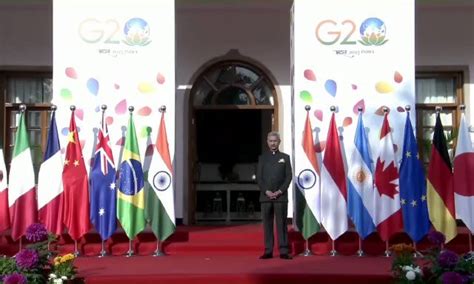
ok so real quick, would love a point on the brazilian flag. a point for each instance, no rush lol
(131, 196)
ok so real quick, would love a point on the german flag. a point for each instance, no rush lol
(440, 185)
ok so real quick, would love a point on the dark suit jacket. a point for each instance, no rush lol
(273, 174)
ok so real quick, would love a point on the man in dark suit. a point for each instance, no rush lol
(273, 177)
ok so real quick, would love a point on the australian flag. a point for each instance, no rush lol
(413, 188)
(102, 180)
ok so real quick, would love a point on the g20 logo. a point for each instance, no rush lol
(135, 32)
(372, 31)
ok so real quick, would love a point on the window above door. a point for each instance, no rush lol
(233, 83)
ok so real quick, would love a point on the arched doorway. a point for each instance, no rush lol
(233, 106)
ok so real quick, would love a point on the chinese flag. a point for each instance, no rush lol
(76, 186)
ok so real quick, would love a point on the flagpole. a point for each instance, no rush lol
(360, 252)
(130, 250)
(103, 107)
(22, 111)
(158, 251)
(333, 242)
(416, 253)
(387, 251)
(102, 243)
(438, 110)
(470, 242)
(463, 109)
(333, 250)
(307, 250)
(102, 249)
(76, 251)
(20, 244)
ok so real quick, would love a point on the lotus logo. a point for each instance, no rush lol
(372, 32)
(137, 32)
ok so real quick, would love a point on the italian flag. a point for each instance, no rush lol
(22, 193)
(160, 201)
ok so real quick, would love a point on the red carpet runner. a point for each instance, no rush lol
(229, 254)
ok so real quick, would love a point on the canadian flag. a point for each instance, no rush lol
(388, 213)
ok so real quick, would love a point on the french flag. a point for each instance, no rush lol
(50, 183)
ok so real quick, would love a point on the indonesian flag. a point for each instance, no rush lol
(76, 186)
(22, 193)
(4, 216)
(160, 203)
(388, 213)
(333, 186)
(463, 176)
(50, 183)
(440, 185)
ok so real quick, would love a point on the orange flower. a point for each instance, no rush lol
(402, 248)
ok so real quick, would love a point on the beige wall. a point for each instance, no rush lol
(259, 30)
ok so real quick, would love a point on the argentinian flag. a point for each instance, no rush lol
(361, 201)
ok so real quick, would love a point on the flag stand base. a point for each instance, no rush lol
(333, 251)
(102, 251)
(417, 254)
(360, 251)
(307, 252)
(76, 250)
(130, 250)
(387, 252)
(158, 251)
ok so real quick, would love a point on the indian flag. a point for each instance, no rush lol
(308, 195)
(160, 200)
(22, 193)
(131, 196)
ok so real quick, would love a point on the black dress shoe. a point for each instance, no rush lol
(285, 256)
(266, 256)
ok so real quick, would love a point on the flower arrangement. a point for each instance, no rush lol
(32, 264)
(63, 268)
(436, 265)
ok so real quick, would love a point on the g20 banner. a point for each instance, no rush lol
(117, 53)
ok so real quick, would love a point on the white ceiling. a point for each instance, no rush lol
(254, 2)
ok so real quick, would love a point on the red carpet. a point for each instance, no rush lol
(229, 254)
(234, 269)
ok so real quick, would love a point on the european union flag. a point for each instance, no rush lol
(413, 188)
(103, 194)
